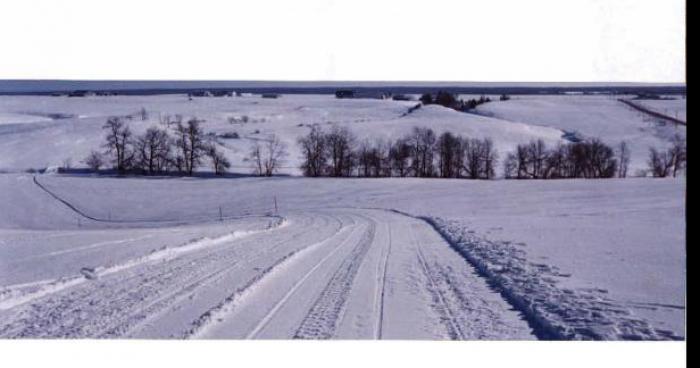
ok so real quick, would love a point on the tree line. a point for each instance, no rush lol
(449, 100)
(421, 153)
(339, 153)
(589, 159)
(157, 151)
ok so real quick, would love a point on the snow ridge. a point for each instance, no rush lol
(14, 295)
(555, 313)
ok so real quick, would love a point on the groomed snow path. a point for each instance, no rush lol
(334, 273)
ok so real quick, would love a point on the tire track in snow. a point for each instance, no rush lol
(321, 321)
(266, 319)
(241, 295)
(446, 314)
(382, 287)
(159, 305)
(123, 305)
(48, 287)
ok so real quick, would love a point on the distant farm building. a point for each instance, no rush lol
(270, 95)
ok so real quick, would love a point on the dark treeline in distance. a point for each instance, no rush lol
(338, 153)
(450, 100)
(423, 153)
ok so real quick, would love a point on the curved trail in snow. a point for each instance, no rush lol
(330, 273)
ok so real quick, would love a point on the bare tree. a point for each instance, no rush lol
(275, 152)
(490, 157)
(449, 151)
(678, 154)
(268, 157)
(589, 159)
(143, 114)
(340, 143)
(558, 165)
(537, 152)
(399, 154)
(190, 145)
(623, 158)
(380, 162)
(365, 157)
(313, 147)
(601, 159)
(256, 158)
(510, 166)
(119, 143)
(422, 141)
(153, 150)
(94, 161)
(218, 160)
(660, 163)
(669, 162)
(479, 158)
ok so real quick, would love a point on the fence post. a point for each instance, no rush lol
(221, 214)
(276, 211)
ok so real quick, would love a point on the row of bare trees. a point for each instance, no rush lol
(587, 159)
(421, 153)
(157, 151)
(184, 150)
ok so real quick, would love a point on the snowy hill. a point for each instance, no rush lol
(39, 131)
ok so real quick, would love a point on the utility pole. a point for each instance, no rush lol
(221, 214)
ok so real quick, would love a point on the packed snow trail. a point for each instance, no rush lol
(334, 273)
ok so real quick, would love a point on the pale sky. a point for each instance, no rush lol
(409, 40)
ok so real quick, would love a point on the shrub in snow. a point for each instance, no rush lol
(219, 162)
(94, 161)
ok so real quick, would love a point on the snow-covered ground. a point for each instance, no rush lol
(46, 142)
(674, 106)
(353, 258)
(55, 131)
(591, 116)
(98, 256)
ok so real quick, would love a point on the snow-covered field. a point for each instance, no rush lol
(24, 126)
(674, 107)
(98, 256)
(591, 116)
(53, 131)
